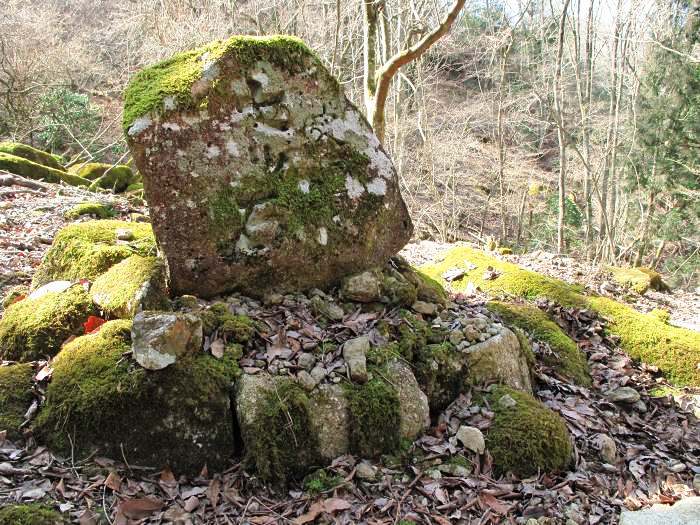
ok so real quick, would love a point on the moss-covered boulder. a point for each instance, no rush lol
(639, 279)
(34, 329)
(676, 351)
(94, 209)
(28, 152)
(31, 514)
(567, 359)
(15, 396)
(115, 177)
(180, 416)
(500, 359)
(88, 249)
(283, 184)
(287, 431)
(137, 283)
(32, 170)
(525, 436)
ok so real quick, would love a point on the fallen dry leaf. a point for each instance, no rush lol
(137, 509)
(113, 481)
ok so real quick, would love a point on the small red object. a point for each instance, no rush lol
(93, 324)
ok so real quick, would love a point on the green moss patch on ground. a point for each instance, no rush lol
(527, 438)
(30, 514)
(179, 416)
(638, 279)
(32, 170)
(88, 249)
(96, 209)
(569, 361)
(33, 329)
(676, 351)
(28, 152)
(131, 285)
(15, 397)
(174, 77)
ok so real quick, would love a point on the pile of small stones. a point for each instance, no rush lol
(309, 334)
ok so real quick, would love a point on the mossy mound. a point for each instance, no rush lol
(28, 152)
(676, 351)
(31, 514)
(638, 279)
(33, 329)
(32, 170)
(527, 438)
(14, 294)
(96, 209)
(568, 360)
(86, 250)
(179, 416)
(134, 284)
(15, 397)
(116, 178)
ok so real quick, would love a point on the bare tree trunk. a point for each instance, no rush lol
(378, 81)
(559, 115)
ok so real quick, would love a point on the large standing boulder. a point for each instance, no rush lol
(260, 174)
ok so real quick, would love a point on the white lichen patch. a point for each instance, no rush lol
(139, 125)
(172, 126)
(377, 186)
(269, 130)
(304, 186)
(238, 116)
(232, 148)
(322, 236)
(354, 187)
(213, 151)
(169, 103)
(261, 78)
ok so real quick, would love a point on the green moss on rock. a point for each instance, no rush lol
(33, 329)
(134, 284)
(15, 397)
(88, 249)
(280, 446)
(179, 416)
(96, 209)
(173, 78)
(527, 438)
(676, 351)
(638, 279)
(106, 176)
(569, 361)
(238, 328)
(32, 170)
(441, 373)
(35, 155)
(14, 294)
(30, 514)
(374, 418)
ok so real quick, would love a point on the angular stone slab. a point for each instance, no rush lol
(260, 174)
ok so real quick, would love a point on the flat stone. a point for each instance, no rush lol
(355, 355)
(623, 394)
(365, 287)
(52, 287)
(507, 401)
(472, 438)
(159, 338)
(319, 373)
(607, 448)
(683, 512)
(424, 308)
(366, 471)
(415, 411)
(306, 361)
(279, 182)
(306, 381)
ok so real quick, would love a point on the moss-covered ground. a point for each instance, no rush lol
(527, 438)
(676, 351)
(638, 279)
(105, 176)
(30, 514)
(34, 329)
(15, 396)
(100, 400)
(96, 209)
(88, 249)
(568, 360)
